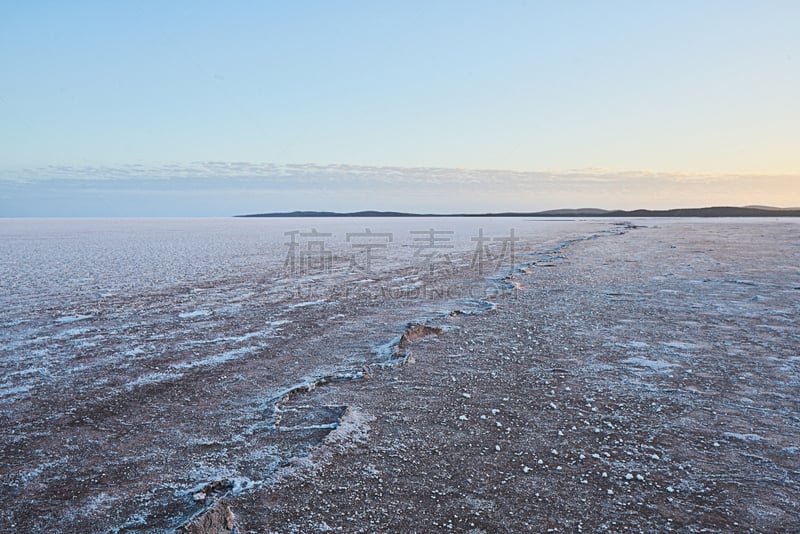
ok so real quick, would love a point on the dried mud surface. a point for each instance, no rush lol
(645, 382)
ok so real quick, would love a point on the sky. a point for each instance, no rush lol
(213, 109)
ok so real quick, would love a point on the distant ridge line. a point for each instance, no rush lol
(719, 211)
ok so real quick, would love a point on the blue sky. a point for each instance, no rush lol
(188, 108)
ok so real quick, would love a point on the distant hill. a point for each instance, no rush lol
(719, 211)
(773, 209)
(584, 212)
(368, 213)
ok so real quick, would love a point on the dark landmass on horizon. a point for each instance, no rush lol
(720, 211)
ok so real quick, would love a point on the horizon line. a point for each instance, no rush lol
(750, 211)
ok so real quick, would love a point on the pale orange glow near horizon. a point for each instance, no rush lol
(219, 188)
(398, 106)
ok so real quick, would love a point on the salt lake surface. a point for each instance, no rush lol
(143, 362)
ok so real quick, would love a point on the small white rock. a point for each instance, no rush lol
(466, 395)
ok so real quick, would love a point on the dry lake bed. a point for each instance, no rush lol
(515, 376)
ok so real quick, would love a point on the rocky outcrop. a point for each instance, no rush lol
(417, 331)
(217, 519)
